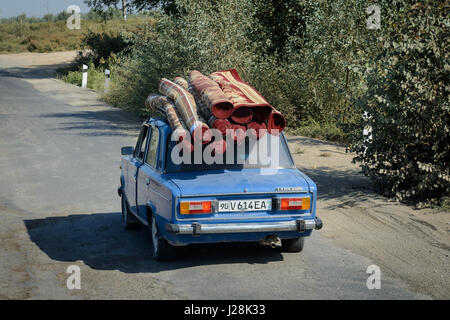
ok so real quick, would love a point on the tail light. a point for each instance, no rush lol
(303, 203)
(190, 207)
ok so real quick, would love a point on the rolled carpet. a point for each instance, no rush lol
(211, 95)
(181, 82)
(202, 116)
(220, 124)
(276, 121)
(242, 115)
(202, 110)
(261, 114)
(161, 103)
(187, 108)
(242, 95)
(257, 129)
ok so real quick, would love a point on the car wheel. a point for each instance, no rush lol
(128, 220)
(162, 250)
(293, 245)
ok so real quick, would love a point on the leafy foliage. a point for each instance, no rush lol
(407, 105)
(319, 64)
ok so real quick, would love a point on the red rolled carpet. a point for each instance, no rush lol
(222, 125)
(242, 115)
(257, 129)
(241, 94)
(261, 114)
(276, 121)
(211, 95)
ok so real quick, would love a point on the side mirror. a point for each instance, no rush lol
(127, 151)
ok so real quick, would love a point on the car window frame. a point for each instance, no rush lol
(149, 139)
(139, 143)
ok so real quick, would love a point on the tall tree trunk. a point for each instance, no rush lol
(124, 9)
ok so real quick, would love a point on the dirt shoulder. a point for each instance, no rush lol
(409, 243)
(25, 65)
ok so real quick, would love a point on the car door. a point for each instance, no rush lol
(148, 172)
(136, 161)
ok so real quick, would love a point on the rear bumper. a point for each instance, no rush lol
(197, 229)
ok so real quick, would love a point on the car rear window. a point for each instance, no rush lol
(240, 160)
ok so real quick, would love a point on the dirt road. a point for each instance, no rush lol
(405, 242)
(59, 167)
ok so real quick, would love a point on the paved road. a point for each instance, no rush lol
(59, 169)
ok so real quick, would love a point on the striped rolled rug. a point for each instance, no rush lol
(248, 103)
(211, 95)
(220, 124)
(187, 108)
(161, 103)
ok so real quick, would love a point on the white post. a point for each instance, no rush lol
(367, 131)
(107, 77)
(84, 79)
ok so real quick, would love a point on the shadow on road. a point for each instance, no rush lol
(100, 241)
(32, 72)
(110, 122)
(340, 184)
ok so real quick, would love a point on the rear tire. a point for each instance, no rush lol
(162, 250)
(128, 219)
(293, 245)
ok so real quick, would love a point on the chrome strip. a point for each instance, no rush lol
(243, 193)
(239, 227)
(303, 215)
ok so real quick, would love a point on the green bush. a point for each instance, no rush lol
(407, 105)
(207, 37)
(104, 44)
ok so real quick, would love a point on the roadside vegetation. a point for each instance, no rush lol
(50, 33)
(322, 64)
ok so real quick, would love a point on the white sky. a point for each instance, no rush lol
(37, 8)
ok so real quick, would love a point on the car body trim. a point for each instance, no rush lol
(280, 226)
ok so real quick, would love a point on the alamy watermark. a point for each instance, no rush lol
(374, 20)
(374, 280)
(74, 21)
(263, 151)
(74, 280)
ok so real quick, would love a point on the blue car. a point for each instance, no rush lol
(187, 203)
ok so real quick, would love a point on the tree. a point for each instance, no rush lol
(102, 5)
(168, 6)
(408, 156)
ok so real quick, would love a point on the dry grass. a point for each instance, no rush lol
(54, 36)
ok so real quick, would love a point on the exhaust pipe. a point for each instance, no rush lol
(270, 240)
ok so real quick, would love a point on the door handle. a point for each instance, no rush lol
(147, 181)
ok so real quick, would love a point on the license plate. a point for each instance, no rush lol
(245, 205)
